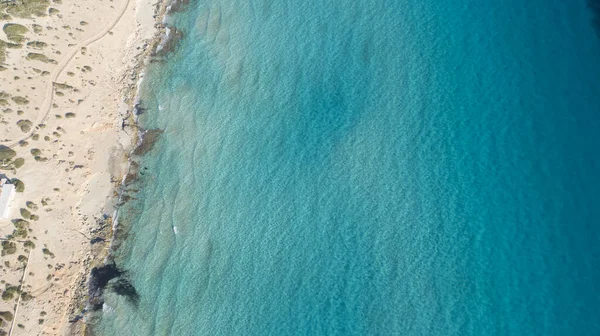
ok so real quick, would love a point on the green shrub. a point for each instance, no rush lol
(25, 9)
(47, 252)
(39, 57)
(6, 315)
(6, 153)
(37, 45)
(25, 125)
(25, 213)
(20, 100)
(19, 185)
(14, 32)
(8, 247)
(19, 162)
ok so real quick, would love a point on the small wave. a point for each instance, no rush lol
(106, 309)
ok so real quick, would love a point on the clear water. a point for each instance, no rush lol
(370, 168)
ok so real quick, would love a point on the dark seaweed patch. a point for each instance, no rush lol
(124, 288)
(594, 6)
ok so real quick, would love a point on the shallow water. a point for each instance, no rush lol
(369, 168)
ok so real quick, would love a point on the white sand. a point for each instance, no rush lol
(85, 154)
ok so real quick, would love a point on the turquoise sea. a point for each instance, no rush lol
(357, 167)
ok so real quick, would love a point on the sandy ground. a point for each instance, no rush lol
(74, 148)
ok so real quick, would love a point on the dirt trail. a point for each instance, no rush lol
(49, 96)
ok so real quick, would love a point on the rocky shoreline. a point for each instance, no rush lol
(99, 265)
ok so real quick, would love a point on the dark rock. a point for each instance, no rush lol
(97, 240)
(138, 109)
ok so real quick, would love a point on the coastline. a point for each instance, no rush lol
(52, 304)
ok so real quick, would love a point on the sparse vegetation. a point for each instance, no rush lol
(14, 32)
(9, 292)
(19, 185)
(63, 86)
(25, 213)
(35, 151)
(39, 57)
(26, 296)
(19, 162)
(25, 9)
(20, 100)
(47, 252)
(6, 315)
(25, 125)
(6, 153)
(37, 44)
(69, 115)
(8, 248)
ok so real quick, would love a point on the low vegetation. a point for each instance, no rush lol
(25, 9)
(37, 45)
(25, 213)
(6, 153)
(47, 252)
(20, 100)
(19, 162)
(14, 32)
(9, 292)
(19, 185)
(39, 57)
(8, 248)
(25, 125)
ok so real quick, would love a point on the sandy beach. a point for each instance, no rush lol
(69, 73)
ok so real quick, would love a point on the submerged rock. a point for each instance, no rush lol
(99, 278)
(168, 43)
(148, 140)
(124, 288)
(178, 6)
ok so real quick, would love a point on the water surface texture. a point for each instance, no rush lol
(359, 167)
